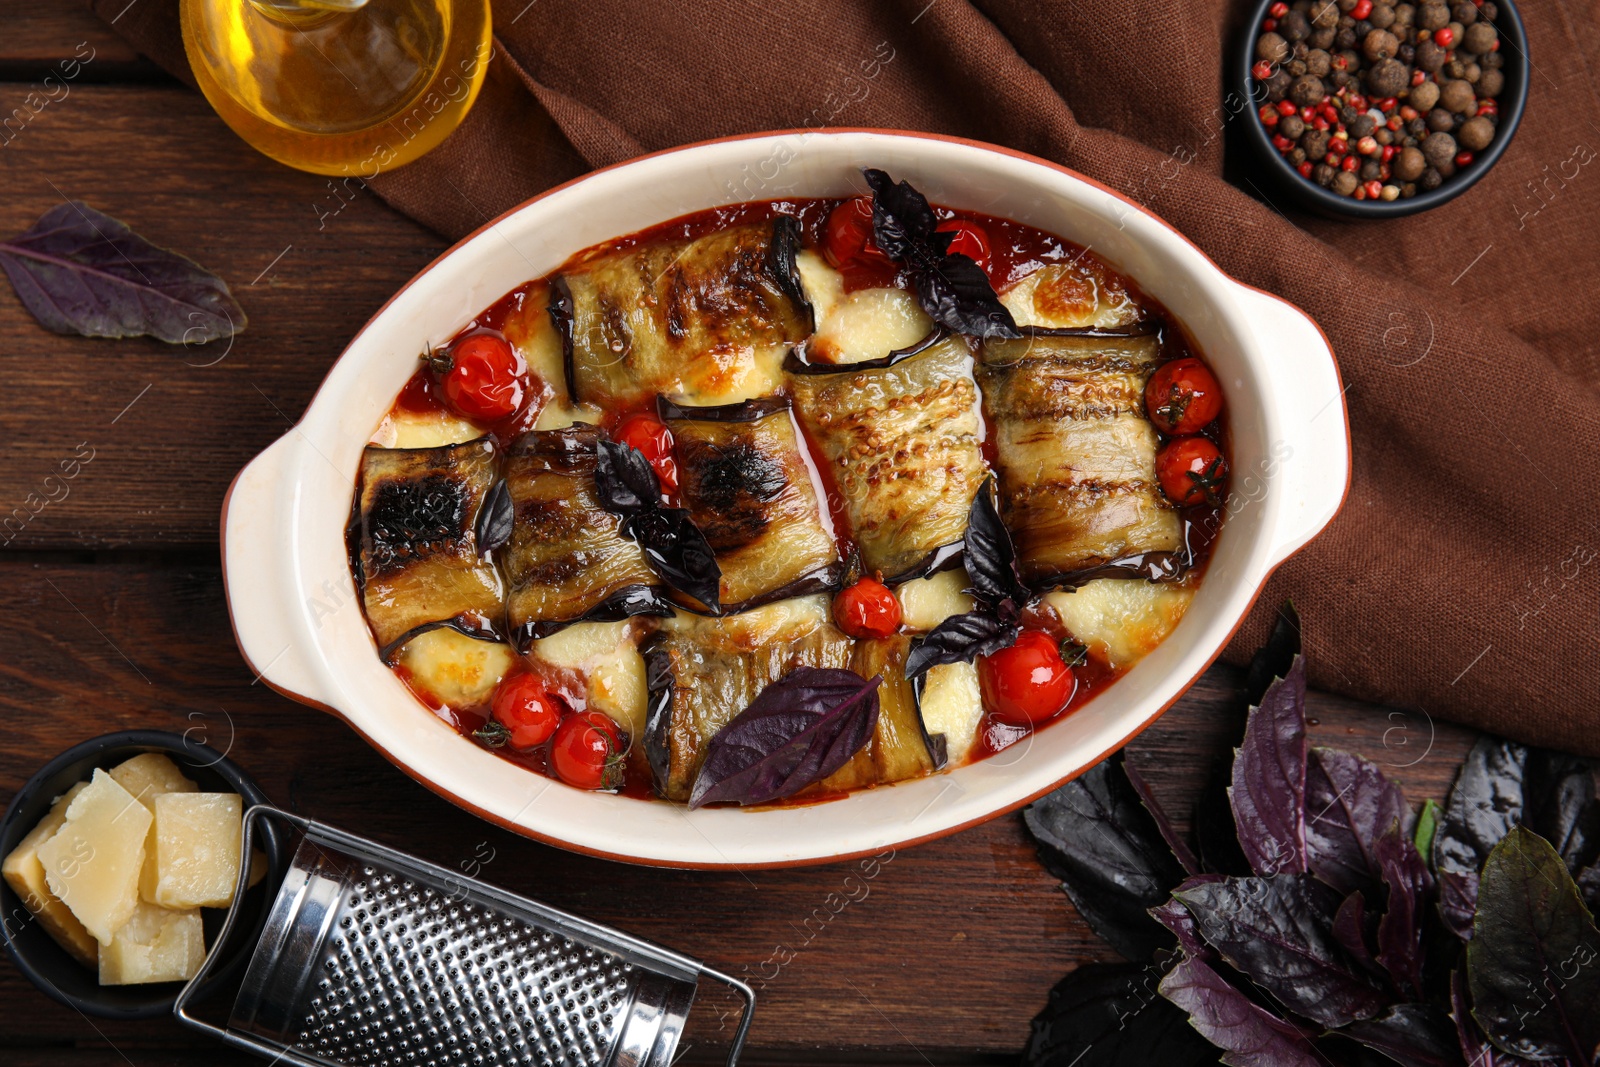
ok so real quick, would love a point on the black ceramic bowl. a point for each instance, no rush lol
(45, 963)
(1308, 194)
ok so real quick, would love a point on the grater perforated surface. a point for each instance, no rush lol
(412, 975)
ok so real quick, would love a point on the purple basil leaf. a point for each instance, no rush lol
(1589, 886)
(1215, 836)
(1096, 835)
(1269, 778)
(1485, 803)
(1273, 659)
(1414, 1035)
(1111, 1015)
(1248, 1034)
(1356, 931)
(990, 556)
(1169, 833)
(496, 516)
(1278, 932)
(951, 287)
(1558, 804)
(1349, 805)
(800, 729)
(624, 479)
(78, 270)
(1175, 917)
(1400, 930)
(960, 639)
(677, 550)
(1533, 964)
(1476, 1048)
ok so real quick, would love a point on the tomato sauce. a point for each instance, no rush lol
(1016, 250)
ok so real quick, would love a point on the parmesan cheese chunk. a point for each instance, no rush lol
(952, 705)
(24, 873)
(607, 657)
(197, 850)
(455, 669)
(154, 945)
(1121, 619)
(92, 863)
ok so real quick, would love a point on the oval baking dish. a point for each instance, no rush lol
(297, 615)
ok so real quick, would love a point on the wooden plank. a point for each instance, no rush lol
(168, 426)
(946, 952)
(40, 37)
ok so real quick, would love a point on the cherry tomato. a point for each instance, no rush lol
(1191, 470)
(650, 435)
(847, 238)
(867, 609)
(1183, 397)
(1027, 683)
(969, 241)
(482, 376)
(526, 708)
(587, 751)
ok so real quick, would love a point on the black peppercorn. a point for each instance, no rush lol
(1406, 53)
(1323, 174)
(1307, 90)
(1295, 67)
(1430, 57)
(1370, 171)
(1490, 82)
(1417, 127)
(1294, 26)
(1344, 40)
(1489, 11)
(1388, 77)
(1433, 17)
(1292, 126)
(1318, 62)
(1479, 38)
(1430, 180)
(1382, 16)
(1315, 143)
(1321, 39)
(1440, 119)
(1439, 149)
(1361, 126)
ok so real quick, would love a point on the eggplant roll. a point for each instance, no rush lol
(902, 440)
(1075, 451)
(703, 671)
(898, 748)
(416, 545)
(709, 317)
(745, 483)
(565, 560)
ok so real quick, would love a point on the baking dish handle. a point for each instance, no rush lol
(1312, 448)
(266, 603)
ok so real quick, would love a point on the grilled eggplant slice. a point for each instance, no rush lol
(898, 749)
(566, 561)
(745, 483)
(902, 440)
(702, 671)
(417, 548)
(709, 317)
(1077, 454)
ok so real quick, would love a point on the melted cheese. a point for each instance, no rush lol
(953, 705)
(1081, 292)
(866, 324)
(423, 429)
(926, 602)
(1121, 620)
(607, 657)
(455, 669)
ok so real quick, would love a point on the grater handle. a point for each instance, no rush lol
(746, 994)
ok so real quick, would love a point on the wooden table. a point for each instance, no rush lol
(112, 614)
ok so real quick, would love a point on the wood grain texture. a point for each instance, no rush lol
(947, 951)
(169, 426)
(39, 37)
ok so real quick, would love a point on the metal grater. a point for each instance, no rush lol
(373, 958)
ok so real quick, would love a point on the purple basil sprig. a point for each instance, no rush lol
(673, 545)
(800, 729)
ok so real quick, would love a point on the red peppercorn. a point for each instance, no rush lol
(1278, 10)
(1361, 192)
(1496, 46)
(1394, 123)
(1261, 71)
(1358, 101)
(1340, 64)
(1384, 171)
(1320, 123)
(1388, 104)
(1374, 189)
(1444, 37)
(1269, 117)
(1408, 113)
(1463, 158)
(1488, 107)
(1282, 143)
(1304, 168)
(1268, 25)
(1336, 147)
(1351, 164)
(1286, 107)
(1362, 9)
(1388, 152)
(1367, 146)
(1417, 77)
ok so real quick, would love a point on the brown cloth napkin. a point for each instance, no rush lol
(1462, 578)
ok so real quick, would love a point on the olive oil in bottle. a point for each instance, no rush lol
(345, 87)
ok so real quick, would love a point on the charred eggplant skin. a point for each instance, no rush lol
(681, 316)
(903, 442)
(419, 566)
(745, 484)
(1076, 454)
(566, 562)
